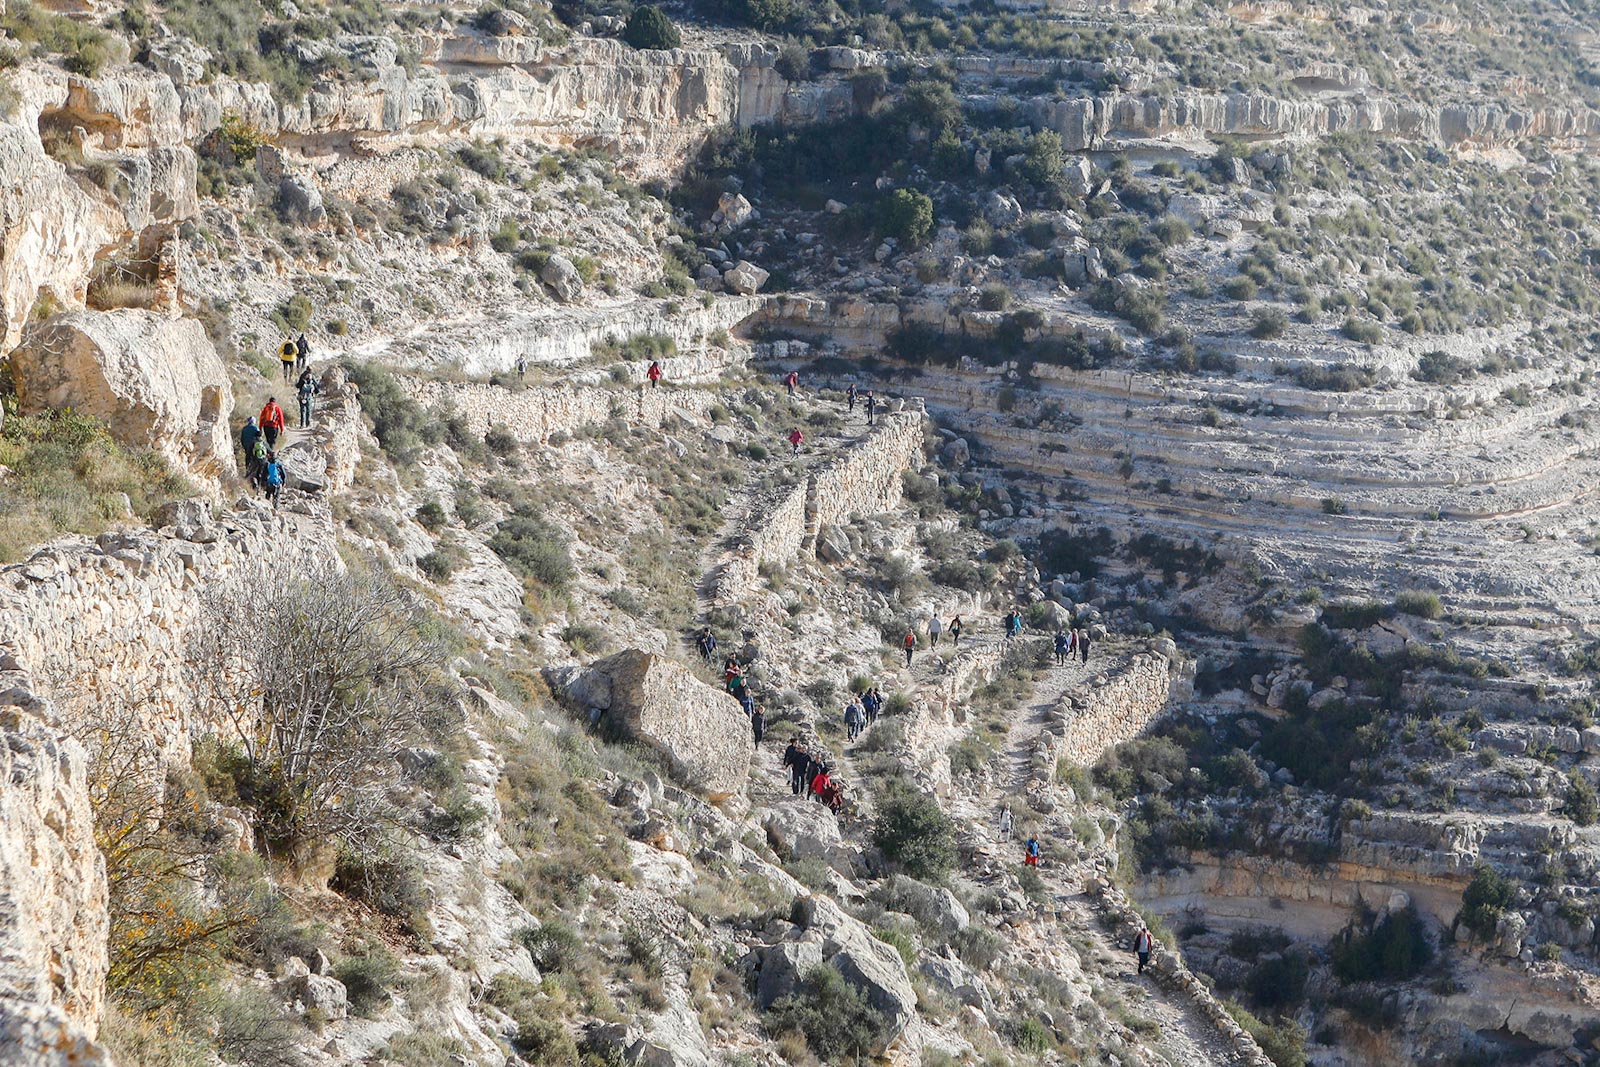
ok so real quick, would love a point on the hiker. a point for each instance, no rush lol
(872, 704)
(794, 758)
(855, 720)
(747, 701)
(832, 794)
(1005, 624)
(935, 627)
(850, 396)
(758, 724)
(1016, 623)
(302, 354)
(795, 437)
(271, 422)
(730, 670)
(1005, 823)
(522, 367)
(287, 355)
(706, 642)
(1062, 648)
(792, 382)
(911, 644)
(739, 687)
(955, 630)
(1143, 942)
(872, 406)
(1030, 852)
(249, 434)
(256, 469)
(274, 478)
(654, 373)
(1083, 644)
(305, 390)
(820, 782)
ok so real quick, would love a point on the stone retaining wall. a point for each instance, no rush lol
(534, 414)
(863, 480)
(1113, 707)
(936, 720)
(104, 623)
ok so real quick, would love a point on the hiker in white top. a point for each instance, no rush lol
(935, 627)
(1005, 823)
(1143, 942)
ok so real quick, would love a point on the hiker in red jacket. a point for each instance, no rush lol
(654, 373)
(271, 422)
(793, 382)
(795, 437)
(911, 643)
(1143, 943)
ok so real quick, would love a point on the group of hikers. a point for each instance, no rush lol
(1068, 642)
(810, 774)
(258, 438)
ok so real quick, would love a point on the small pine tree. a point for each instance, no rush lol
(649, 27)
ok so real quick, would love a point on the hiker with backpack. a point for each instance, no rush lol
(271, 422)
(1144, 942)
(955, 631)
(911, 644)
(256, 469)
(872, 704)
(274, 478)
(850, 397)
(654, 373)
(795, 437)
(1030, 852)
(249, 434)
(758, 724)
(855, 720)
(1006, 823)
(1063, 649)
(1083, 644)
(792, 382)
(288, 355)
(305, 389)
(522, 367)
(302, 353)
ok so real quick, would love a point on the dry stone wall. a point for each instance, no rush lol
(104, 623)
(1113, 707)
(535, 413)
(53, 918)
(863, 480)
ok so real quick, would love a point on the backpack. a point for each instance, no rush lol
(307, 389)
(274, 474)
(259, 449)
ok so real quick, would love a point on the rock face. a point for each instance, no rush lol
(702, 732)
(155, 382)
(52, 886)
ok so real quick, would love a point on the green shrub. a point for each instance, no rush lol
(367, 979)
(648, 27)
(425, 1049)
(501, 441)
(1284, 1042)
(994, 297)
(914, 833)
(978, 946)
(1418, 602)
(533, 548)
(399, 423)
(1581, 805)
(1240, 287)
(833, 1016)
(439, 564)
(1483, 901)
(554, 946)
(1368, 333)
(1268, 322)
(431, 515)
(1394, 949)
(539, 1038)
(907, 216)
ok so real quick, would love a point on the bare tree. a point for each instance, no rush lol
(317, 680)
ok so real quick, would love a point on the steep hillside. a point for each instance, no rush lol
(1253, 342)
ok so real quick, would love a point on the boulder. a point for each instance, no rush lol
(304, 466)
(299, 200)
(832, 545)
(956, 453)
(733, 211)
(745, 278)
(868, 964)
(701, 731)
(155, 382)
(562, 278)
(1078, 175)
(314, 996)
(929, 904)
(798, 829)
(1001, 209)
(784, 967)
(955, 978)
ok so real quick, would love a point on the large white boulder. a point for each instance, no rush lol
(701, 730)
(154, 381)
(745, 278)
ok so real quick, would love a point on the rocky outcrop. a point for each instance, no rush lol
(701, 731)
(155, 382)
(1088, 122)
(53, 918)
